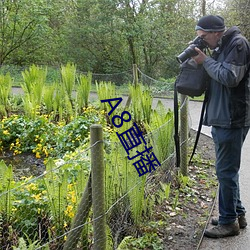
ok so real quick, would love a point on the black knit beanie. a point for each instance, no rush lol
(211, 23)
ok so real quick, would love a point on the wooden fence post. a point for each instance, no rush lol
(98, 195)
(135, 74)
(80, 218)
(184, 135)
(135, 82)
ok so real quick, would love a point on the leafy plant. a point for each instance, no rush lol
(160, 132)
(176, 199)
(34, 81)
(164, 192)
(140, 109)
(105, 90)
(22, 245)
(68, 74)
(5, 90)
(6, 184)
(48, 98)
(30, 208)
(83, 91)
(147, 241)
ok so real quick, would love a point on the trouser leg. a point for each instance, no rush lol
(228, 144)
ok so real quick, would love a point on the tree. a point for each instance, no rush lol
(237, 13)
(21, 21)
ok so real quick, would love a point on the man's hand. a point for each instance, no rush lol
(200, 58)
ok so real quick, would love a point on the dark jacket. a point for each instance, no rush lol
(229, 90)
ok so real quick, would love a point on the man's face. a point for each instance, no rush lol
(211, 38)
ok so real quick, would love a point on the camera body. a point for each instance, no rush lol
(190, 51)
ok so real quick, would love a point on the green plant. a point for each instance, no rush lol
(176, 199)
(141, 110)
(30, 208)
(83, 91)
(160, 132)
(164, 192)
(42, 136)
(48, 98)
(29, 245)
(68, 74)
(147, 241)
(6, 184)
(56, 187)
(5, 90)
(105, 90)
(34, 81)
(184, 181)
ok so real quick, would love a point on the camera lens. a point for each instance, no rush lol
(190, 51)
(187, 53)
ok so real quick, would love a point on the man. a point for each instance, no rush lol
(228, 112)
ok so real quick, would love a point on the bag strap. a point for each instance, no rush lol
(176, 126)
(199, 127)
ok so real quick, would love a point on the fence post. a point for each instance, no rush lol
(80, 218)
(135, 82)
(98, 195)
(135, 74)
(184, 135)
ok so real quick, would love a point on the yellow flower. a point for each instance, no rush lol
(37, 196)
(31, 187)
(14, 209)
(6, 132)
(69, 211)
(73, 199)
(45, 151)
(38, 156)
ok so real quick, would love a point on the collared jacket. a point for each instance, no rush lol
(228, 103)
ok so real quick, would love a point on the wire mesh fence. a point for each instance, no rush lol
(57, 209)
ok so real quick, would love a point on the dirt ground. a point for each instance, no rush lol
(187, 222)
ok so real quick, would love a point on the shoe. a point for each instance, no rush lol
(221, 231)
(241, 219)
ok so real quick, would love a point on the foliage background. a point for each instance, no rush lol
(106, 36)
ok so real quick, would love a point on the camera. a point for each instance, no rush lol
(190, 51)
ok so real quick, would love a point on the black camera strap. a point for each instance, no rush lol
(176, 126)
(199, 127)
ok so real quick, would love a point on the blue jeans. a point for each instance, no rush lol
(228, 145)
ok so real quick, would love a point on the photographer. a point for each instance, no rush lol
(228, 112)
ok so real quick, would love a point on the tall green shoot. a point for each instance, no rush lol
(48, 98)
(105, 90)
(6, 184)
(83, 90)
(141, 103)
(68, 74)
(160, 131)
(33, 86)
(56, 184)
(5, 90)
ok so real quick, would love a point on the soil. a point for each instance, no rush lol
(25, 164)
(187, 222)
